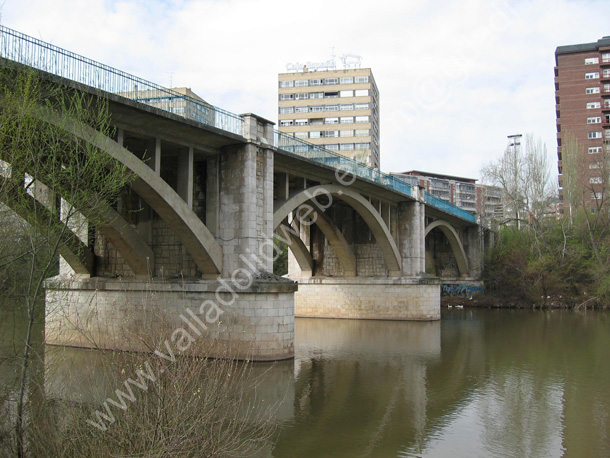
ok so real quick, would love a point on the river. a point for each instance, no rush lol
(478, 383)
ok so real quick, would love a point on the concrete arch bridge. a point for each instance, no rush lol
(190, 243)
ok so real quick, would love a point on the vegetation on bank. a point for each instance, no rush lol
(540, 260)
(557, 264)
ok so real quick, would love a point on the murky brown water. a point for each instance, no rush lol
(479, 383)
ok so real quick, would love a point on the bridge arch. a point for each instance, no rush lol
(368, 213)
(290, 235)
(194, 235)
(454, 241)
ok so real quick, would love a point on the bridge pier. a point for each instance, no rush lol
(248, 320)
(371, 298)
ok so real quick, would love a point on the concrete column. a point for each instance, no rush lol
(474, 250)
(155, 156)
(246, 202)
(186, 175)
(283, 186)
(212, 195)
(411, 237)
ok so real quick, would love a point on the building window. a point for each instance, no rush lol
(362, 79)
(347, 107)
(594, 120)
(361, 106)
(315, 82)
(347, 80)
(595, 165)
(331, 94)
(330, 133)
(591, 105)
(332, 107)
(592, 90)
(301, 83)
(363, 146)
(331, 121)
(315, 134)
(591, 75)
(606, 73)
(300, 134)
(300, 122)
(332, 146)
(346, 146)
(331, 81)
(362, 92)
(316, 121)
(302, 109)
(363, 132)
(347, 133)
(286, 122)
(347, 119)
(286, 83)
(591, 60)
(286, 96)
(316, 108)
(316, 95)
(595, 180)
(302, 96)
(285, 110)
(596, 195)
(595, 149)
(606, 57)
(346, 93)
(592, 135)
(362, 119)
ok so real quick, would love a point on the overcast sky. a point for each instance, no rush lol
(455, 77)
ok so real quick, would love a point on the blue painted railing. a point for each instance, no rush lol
(46, 57)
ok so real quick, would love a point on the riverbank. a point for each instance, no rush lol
(482, 300)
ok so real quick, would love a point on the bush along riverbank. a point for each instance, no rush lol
(549, 264)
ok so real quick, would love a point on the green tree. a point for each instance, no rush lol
(47, 177)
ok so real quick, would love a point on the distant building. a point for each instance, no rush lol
(465, 193)
(336, 109)
(582, 97)
(178, 100)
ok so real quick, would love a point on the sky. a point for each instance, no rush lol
(455, 77)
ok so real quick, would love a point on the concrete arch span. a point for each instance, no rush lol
(368, 213)
(454, 241)
(78, 255)
(194, 235)
(289, 234)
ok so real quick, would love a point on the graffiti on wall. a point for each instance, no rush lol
(459, 290)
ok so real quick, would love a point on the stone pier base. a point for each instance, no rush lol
(373, 298)
(218, 317)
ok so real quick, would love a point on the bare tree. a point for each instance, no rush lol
(524, 176)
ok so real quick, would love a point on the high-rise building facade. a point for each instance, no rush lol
(582, 97)
(336, 109)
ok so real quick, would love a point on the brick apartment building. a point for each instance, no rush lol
(582, 97)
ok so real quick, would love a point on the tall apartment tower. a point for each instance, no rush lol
(582, 97)
(336, 109)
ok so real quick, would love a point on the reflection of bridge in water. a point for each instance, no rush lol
(381, 388)
(210, 190)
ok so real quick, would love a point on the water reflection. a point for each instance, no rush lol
(476, 384)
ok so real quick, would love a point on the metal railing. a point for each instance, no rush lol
(449, 208)
(29, 51)
(327, 157)
(57, 61)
